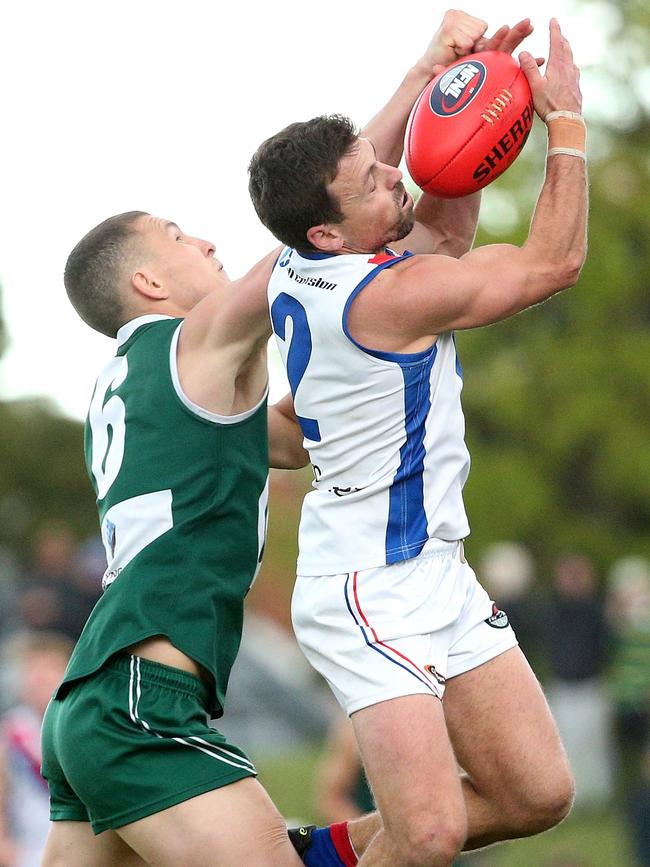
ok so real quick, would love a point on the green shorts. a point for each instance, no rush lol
(131, 740)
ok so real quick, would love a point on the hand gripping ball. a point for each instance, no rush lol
(469, 124)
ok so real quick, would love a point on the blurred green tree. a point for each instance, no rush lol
(42, 475)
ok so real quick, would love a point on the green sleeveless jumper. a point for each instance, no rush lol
(182, 496)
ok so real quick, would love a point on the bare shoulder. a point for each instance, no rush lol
(396, 289)
(423, 266)
(388, 314)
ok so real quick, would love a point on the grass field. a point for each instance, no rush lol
(584, 840)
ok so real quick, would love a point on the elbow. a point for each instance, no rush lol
(456, 247)
(454, 244)
(288, 459)
(570, 272)
(567, 270)
(301, 459)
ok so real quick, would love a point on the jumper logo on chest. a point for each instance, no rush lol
(318, 282)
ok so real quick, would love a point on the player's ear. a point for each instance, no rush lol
(325, 237)
(146, 283)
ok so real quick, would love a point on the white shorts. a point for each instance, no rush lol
(398, 630)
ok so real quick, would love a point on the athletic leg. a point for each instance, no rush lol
(518, 779)
(414, 777)
(231, 826)
(73, 844)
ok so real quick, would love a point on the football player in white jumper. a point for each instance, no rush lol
(386, 606)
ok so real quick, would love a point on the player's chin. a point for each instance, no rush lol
(405, 223)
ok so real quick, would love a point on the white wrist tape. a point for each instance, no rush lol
(572, 115)
(572, 152)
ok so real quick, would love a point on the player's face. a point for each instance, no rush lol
(184, 264)
(372, 197)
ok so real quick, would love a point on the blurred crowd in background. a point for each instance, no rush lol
(587, 636)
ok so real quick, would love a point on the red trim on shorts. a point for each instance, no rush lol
(376, 637)
(341, 840)
(356, 599)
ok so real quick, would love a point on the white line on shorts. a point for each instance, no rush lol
(216, 752)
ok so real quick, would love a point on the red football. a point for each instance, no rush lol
(469, 124)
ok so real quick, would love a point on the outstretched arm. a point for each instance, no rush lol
(445, 226)
(337, 774)
(496, 281)
(221, 353)
(448, 226)
(457, 35)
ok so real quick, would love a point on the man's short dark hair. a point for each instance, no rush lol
(95, 269)
(290, 172)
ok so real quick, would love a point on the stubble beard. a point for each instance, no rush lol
(405, 219)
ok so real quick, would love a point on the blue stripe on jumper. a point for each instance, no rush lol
(406, 530)
(459, 367)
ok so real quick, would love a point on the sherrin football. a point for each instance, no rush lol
(469, 125)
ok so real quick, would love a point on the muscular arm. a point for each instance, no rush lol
(426, 295)
(222, 346)
(387, 128)
(443, 226)
(496, 281)
(286, 450)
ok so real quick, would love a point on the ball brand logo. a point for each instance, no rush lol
(457, 88)
(507, 148)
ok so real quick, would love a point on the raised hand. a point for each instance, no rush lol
(457, 35)
(559, 88)
(505, 38)
(460, 34)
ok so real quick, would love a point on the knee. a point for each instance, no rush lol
(545, 805)
(431, 844)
